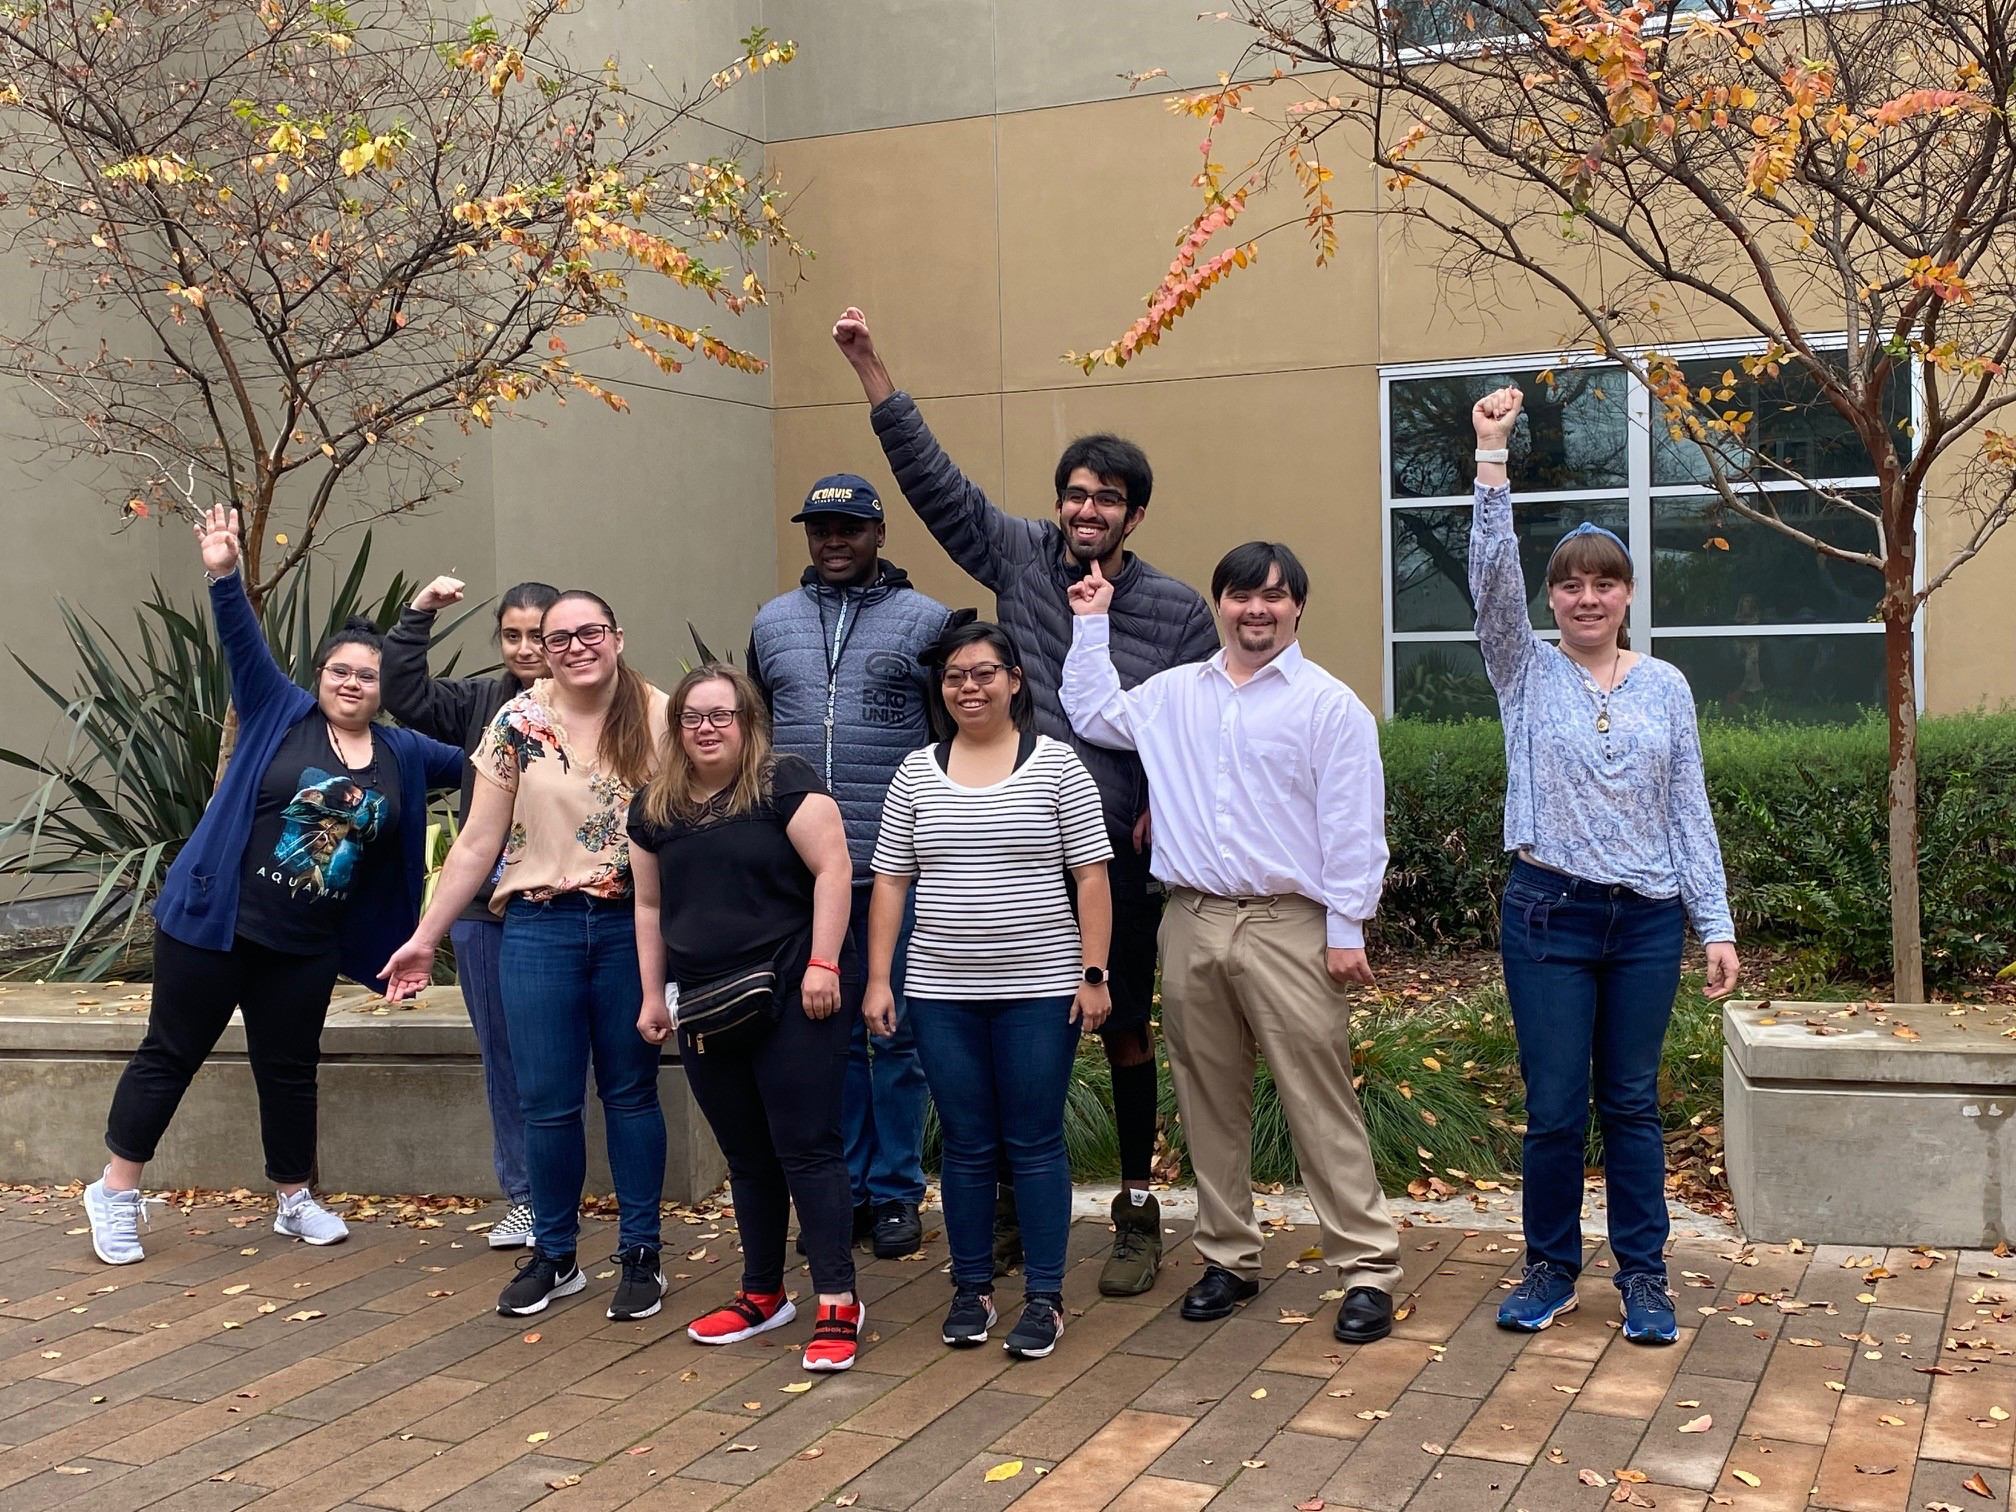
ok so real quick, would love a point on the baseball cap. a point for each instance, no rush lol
(842, 494)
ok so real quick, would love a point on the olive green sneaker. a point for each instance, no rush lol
(1137, 1247)
(1007, 1233)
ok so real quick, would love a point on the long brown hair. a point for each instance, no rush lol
(1597, 554)
(671, 794)
(625, 747)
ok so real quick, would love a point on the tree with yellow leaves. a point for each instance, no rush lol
(278, 238)
(1834, 185)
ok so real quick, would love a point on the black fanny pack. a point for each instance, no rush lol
(735, 1010)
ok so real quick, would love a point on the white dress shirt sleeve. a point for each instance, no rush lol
(1099, 709)
(1351, 819)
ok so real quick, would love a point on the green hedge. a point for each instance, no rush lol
(1801, 813)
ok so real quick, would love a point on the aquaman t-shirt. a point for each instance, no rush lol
(318, 832)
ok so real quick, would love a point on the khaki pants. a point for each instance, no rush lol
(1240, 976)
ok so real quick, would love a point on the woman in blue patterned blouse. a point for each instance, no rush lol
(1614, 851)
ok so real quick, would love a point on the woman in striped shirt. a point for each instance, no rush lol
(1002, 977)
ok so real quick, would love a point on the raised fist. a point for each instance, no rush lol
(850, 334)
(439, 594)
(1495, 414)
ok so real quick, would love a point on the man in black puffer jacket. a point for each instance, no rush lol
(1102, 484)
(837, 662)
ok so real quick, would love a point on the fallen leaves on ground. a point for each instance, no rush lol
(1006, 1470)
(1700, 1424)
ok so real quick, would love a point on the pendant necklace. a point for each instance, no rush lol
(1603, 695)
(370, 757)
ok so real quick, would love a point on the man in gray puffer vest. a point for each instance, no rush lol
(837, 662)
(1158, 622)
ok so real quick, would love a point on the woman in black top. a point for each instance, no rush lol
(307, 861)
(753, 875)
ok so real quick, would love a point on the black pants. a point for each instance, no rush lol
(285, 998)
(774, 1107)
(1130, 960)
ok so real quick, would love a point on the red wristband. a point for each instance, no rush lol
(823, 965)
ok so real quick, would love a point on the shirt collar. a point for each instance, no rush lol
(1288, 664)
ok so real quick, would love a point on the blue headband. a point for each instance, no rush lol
(1588, 529)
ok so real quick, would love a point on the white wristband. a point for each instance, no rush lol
(1499, 454)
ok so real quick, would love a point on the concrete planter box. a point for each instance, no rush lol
(402, 1105)
(1841, 1130)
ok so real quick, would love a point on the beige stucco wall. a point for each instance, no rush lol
(980, 178)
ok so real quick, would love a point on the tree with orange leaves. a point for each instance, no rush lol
(1837, 185)
(278, 238)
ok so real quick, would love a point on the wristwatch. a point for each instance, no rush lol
(1095, 976)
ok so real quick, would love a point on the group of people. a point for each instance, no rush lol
(906, 854)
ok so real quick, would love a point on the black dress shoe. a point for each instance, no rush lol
(1365, 1314)
(1216, 1293)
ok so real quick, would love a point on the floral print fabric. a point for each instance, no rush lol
(568, 823)
(1627, 806)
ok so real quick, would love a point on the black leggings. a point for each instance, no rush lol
(285, 998)
(775, 1109)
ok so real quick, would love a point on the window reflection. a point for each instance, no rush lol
(1713, 567)
(1431, 555)
(1571, 435)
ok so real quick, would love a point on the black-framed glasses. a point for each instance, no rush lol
(591, 635)
(692, 719)
(1105, 498)
(980, 674)
(365, 677)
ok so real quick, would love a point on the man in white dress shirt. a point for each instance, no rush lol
(1270, 833)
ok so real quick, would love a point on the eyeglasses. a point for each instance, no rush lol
(1106, 498)
(556, 641)
(364, 676)
(980, 674)
(692, 719)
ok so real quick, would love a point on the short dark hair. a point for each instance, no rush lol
(963, 630)
(1246, 568)
(1111, 459)
(355, 631)
(538, 596)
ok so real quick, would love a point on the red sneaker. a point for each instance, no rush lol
(745, 1316)
(836, 1337)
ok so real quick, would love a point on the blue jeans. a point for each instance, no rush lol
(478, 943)
(882, 1106)
(571, 993)
(1591, 971)
(999, 1071)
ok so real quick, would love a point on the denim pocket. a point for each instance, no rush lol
(1525, 918)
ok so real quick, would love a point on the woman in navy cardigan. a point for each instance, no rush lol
(309, 861)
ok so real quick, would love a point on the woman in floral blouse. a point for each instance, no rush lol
(559, 767)
(1614, 850)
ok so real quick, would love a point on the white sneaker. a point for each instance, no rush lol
(514, 1229)
(302, 1217)
(116, 1218)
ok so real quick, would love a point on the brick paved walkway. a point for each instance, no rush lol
(236, 1369)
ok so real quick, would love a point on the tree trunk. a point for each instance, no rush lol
(1900, 686)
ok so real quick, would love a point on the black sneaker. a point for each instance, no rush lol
(640, 1286)
(540, 1279)
(1037, 1331)
(971, 1316)
(898, 1230)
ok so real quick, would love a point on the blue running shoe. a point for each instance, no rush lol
(1546, 1292)
(1648, 1309)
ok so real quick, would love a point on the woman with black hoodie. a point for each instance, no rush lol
(459, 710)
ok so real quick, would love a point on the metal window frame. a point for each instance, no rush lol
(1638, 492)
